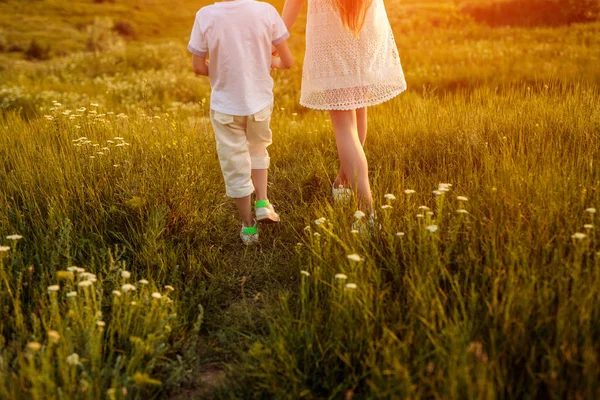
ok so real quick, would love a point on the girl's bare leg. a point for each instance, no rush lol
(352, 156)
(361, 119)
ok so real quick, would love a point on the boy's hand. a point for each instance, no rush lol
(276, 63)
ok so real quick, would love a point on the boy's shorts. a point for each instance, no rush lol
(242, 146)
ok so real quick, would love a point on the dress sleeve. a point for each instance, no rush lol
(279, 31)
(198, 44)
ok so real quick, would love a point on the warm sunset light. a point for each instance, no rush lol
(299, 199)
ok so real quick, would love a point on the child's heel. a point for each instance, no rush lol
(265, 213)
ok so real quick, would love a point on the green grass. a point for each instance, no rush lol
(500, 302)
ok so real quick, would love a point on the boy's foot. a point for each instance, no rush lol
(265, 213)
(341, 194)
(249, 235)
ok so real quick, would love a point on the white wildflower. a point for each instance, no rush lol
(462, 198)
(354, 231)
(390, 197)
(88, 276)
(386, 207)
(317, 234)
(305, 273)
(588, 226)
(125, 274)
(54, 336)
(127, 287)
(157, 295)
(101, 323)
(579, 236)
(359, 214)
(72, 294)
(73, 359)
(354, 257)
(424, 208)
(351, 286)
(116, 293)
(34, 346)
(410, 191)
(320, 221)
(462, 211)
(169, 287)
(143, 281)
(341, 277)
(53, 288)
(437, 192)
(14, 237)
(4, 248)
(84, 283)
(400, 234)
(432, 228)
(591, 210)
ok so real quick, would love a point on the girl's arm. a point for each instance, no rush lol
(200, 65)
(291, 9)
(285, 59)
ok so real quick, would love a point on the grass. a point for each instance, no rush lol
(499, 300)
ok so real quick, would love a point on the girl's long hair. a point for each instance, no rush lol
(353, 13)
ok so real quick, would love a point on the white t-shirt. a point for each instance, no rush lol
(239, 37)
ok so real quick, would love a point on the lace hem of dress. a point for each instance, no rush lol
(361, 97)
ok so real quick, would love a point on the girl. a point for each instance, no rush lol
(351, 63)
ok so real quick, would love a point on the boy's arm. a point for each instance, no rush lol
(198, 46)
(286, 59)
(291, 10)
(200, 65)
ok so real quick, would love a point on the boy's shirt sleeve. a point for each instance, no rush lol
(198, 44)
(279, 31)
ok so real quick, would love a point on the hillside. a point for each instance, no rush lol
(62, 25)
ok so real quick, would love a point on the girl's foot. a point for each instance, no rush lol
(367, 228)
(249, 235)
(341, 194)
(265, 213)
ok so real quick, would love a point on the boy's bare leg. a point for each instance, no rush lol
(260, 177)
(245, 210)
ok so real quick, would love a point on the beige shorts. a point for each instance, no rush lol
(242, 146)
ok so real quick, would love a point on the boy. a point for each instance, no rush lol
(239, 36)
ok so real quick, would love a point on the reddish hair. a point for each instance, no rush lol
(353, 13)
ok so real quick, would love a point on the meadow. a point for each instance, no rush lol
(122, 275)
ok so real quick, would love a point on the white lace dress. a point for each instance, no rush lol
(345, 72)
